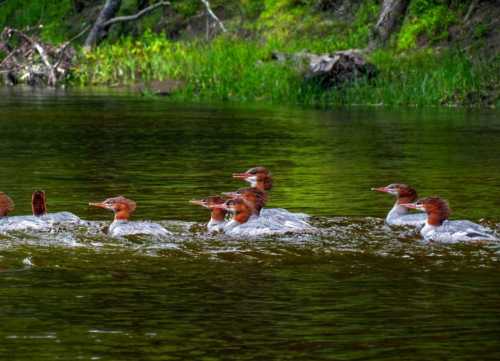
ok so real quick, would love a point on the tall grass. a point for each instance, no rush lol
(236, 70)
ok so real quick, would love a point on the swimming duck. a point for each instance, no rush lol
(261, 181)
(217, 214)
(399, 215)
(39, 209)
(121, 226)
(438, 228)
(18, 223)
(245, 224)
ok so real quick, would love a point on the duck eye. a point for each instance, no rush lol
(252, 171)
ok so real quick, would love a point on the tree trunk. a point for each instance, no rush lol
(99, 31)
(391, 16)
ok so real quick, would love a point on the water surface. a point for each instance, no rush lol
(353, 290)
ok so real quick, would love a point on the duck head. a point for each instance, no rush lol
(258, 177)
(121, 206)
(213, 203)
(404, 193)
(437, 209)
(6, 204)
(38, 203)
(254, 197)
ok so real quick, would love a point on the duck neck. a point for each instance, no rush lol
(217, 215)
(260, 185)
(38, 206)
(398, 209)
(427, 228)
(242, 216)
(435, 219)
(122, 216)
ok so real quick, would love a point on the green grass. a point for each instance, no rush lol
(235, 70)
(49, 15)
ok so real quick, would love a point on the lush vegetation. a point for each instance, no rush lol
(416, 69)
(228, 69)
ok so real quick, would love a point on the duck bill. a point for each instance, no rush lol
(98, 205)
(410, 206)
(381, 189)
(198, 202)
(241, 175)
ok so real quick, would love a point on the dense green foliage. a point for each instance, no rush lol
(49, 15)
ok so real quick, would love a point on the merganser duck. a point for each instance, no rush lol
(439, 228)
(260, 179)
(217, 214)
(244, 223)
(254, 197)
(399, 215)
(121, 226)
(18, 223)
(39, 209)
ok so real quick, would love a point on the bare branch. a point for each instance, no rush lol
(8, 57)
(470, 11)
(66, 44)
(43, 55)
(212, 14)
(135, 16)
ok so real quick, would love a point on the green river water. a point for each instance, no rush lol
(353, 290)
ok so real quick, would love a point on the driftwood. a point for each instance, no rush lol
(31, 61)
(329, 70)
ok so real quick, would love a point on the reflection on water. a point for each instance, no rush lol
(352, 289)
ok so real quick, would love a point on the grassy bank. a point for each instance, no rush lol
(424, 63)
(236, 70)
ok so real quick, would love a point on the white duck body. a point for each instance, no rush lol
(457, 231)
(215, 225)
(61, 218)
(23, 223)
(400, 216)
(123, 228)
(263, 226)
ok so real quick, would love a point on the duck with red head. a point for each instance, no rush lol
(39, 209)
(6, 205)
(399, 215)
(121, 226)
(245, 224)
(258, 177)
(438, 228)
(253, 197)
(217, 214)
(261, 181)
(18, 223)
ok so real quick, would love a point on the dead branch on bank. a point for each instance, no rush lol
(30, 60)
(213, 16)
(107, 18)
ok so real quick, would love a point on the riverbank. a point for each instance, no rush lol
(441, 55)
(234, 70)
